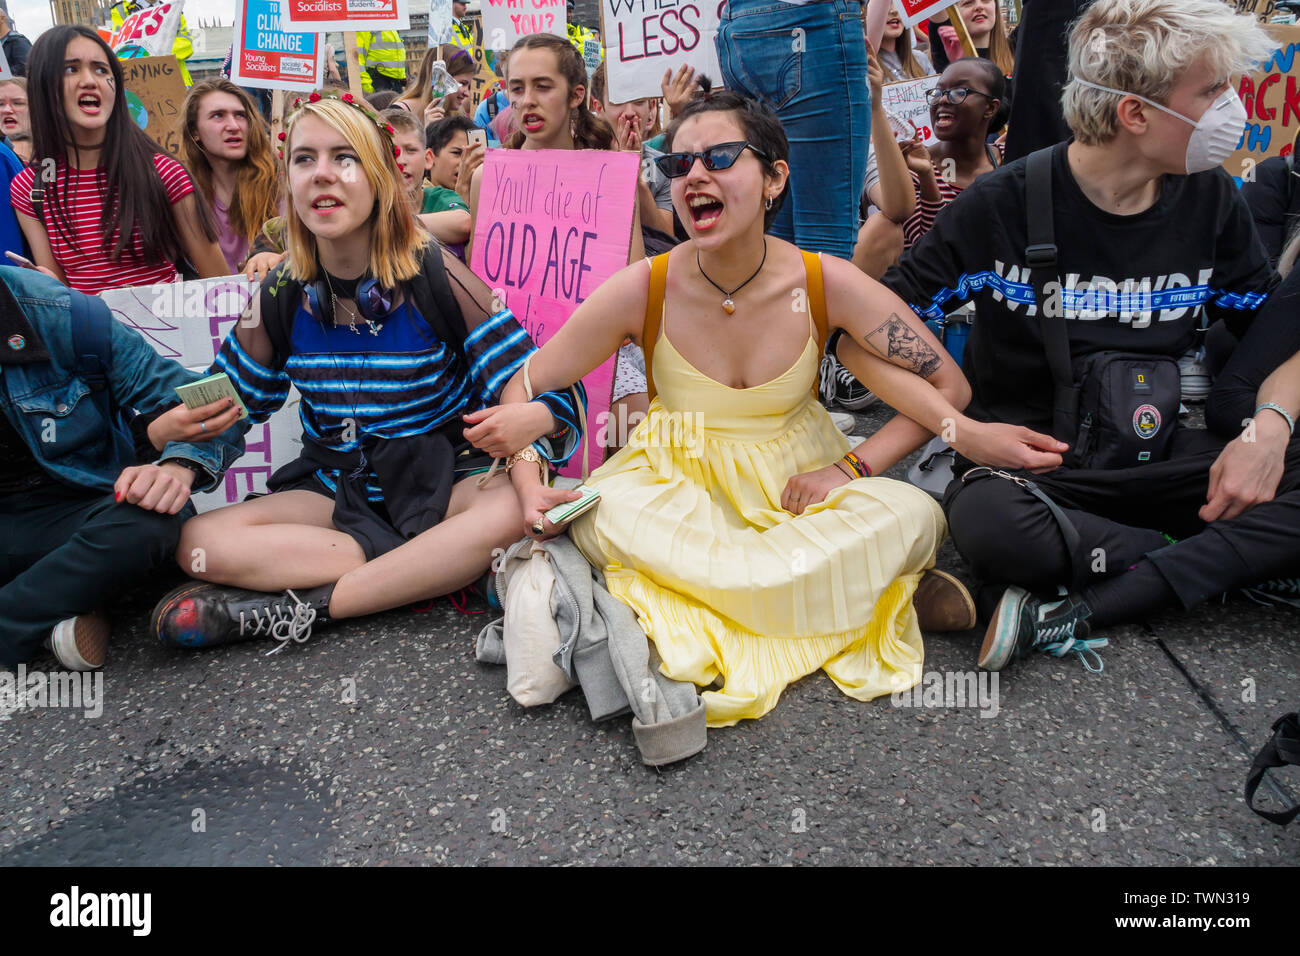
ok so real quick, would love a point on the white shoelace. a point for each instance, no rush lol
(283, 624)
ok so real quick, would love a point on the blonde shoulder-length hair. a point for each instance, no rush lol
(395, 240)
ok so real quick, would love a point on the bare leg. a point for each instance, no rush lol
(283, 540)
(287, 540)
(879, 246)
(447, 557)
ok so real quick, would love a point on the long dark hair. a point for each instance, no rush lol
(134, 197)
(589, 130)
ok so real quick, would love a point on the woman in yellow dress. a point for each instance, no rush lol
(733, 521)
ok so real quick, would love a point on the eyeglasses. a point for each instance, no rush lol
(956, 96)
(722, 156)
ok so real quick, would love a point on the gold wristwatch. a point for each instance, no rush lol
(528, 453)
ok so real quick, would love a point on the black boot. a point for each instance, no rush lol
(208, 615)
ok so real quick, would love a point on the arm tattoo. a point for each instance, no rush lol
(896, 340)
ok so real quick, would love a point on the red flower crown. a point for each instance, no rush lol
(317, 95)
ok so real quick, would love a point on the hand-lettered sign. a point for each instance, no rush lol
(155, 94)
(505, 21)
(152, 29)
(188, 321)
(267, 56)
(1271, 95)
(644, 38)
(552, 225)
(321, 16)
(905, 103)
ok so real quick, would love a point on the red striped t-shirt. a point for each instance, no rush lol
(86, 265)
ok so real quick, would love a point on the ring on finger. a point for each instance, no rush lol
(203, 426)
(539, 526)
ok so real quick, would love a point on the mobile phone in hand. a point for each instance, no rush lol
(20, 260)
(478, 136)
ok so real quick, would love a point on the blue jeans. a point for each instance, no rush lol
(809, 64)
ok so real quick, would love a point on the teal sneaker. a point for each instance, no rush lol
(1023, 623)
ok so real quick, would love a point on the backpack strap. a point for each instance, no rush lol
(654, 312)
(92, 342)
(280, 296)
(812, 265)
(1041, 257)
(37, 196)
(436, 302)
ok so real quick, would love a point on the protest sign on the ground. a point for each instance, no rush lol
(155, 94)
(187, 322)
(153, 29)
(268, 57)
(505, 21)
(321, 16)
(905, 102)
(644, 39)
(1271, 95)
(552, 226)
(914, 11)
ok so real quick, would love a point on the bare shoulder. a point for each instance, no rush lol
(851, 293)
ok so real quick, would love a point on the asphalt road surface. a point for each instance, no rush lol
(383, 742)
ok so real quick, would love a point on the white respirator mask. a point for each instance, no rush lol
(1214, 137)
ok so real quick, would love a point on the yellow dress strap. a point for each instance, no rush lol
(654, 310)
(812, 264)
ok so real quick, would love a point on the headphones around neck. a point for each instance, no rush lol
(374, 303)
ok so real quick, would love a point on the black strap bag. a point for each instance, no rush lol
(1114, 409)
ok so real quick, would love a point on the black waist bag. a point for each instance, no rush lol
(1127, 410)
(1114, 409)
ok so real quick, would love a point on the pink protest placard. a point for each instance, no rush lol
(327, 15)
(552, 225)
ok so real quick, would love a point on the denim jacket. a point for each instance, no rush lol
(55, 412)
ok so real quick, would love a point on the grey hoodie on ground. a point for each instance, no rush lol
(606, 651)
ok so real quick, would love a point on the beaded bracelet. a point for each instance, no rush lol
(857, 464)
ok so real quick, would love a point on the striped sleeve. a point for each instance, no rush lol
(20, 192)
(174, 178)
(263, 390)
(496, 350)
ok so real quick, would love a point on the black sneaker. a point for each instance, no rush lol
(208, 615)
(1277, 591)
(839, 387)
(1024, 623)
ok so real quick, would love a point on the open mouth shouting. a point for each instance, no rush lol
(90, 103)
(531, 122)
(705, 210)
(944, 118)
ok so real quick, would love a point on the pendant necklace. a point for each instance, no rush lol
(729, 306)
(352, 311)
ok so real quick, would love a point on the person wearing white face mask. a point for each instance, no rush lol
(1146, 242)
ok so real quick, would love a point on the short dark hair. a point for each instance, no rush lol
(997, 84)
(438, 135)
(760, 124)
(381, 100)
